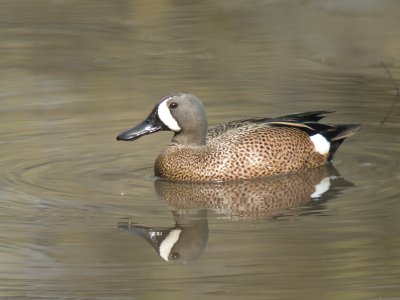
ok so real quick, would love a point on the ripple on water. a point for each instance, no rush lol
(68, 177)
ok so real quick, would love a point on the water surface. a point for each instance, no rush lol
(82, 216)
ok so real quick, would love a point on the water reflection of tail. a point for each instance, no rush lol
(249, 199)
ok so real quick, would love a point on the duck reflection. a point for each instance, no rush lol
(249, 199)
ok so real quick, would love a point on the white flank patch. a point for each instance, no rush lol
(166, 117)
(321, 144)
(168, 243)
(321, 187)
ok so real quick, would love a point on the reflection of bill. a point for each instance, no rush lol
(246, 199)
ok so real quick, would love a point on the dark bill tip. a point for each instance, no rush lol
(137, 132)
(150, 125)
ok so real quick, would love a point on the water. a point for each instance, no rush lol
(81, 213)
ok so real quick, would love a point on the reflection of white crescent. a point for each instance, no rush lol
(167, 244)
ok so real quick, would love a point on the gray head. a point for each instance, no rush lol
(183, 114)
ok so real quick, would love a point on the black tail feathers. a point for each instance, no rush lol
(338, 134)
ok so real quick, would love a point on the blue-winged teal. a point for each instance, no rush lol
(240, 149)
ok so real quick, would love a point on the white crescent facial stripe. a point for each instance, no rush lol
(321, 187)
(166, 117)
(321, 144)
(167, 244)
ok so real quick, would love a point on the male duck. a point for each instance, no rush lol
(240, 149)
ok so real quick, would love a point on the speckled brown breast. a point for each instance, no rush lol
(243, 153)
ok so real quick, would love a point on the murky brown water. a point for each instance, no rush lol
(81, 216)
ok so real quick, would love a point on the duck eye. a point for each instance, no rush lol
(175, 255)
(173, 105)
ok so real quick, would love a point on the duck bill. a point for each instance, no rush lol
(150, 125)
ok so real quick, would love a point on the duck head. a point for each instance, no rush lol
(183, 114)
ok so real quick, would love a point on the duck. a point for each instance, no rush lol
(240, 149)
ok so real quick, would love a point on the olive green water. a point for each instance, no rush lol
(81, 216)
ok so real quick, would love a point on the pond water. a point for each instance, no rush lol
(82, 216)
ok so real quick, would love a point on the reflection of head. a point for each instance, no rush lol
(180, 244)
